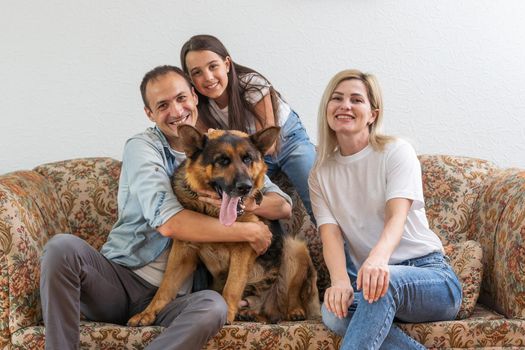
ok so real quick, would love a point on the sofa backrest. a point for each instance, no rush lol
(451, 186)
(473, 199)
(87, 189)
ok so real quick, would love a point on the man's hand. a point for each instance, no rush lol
(338, 298)
(261, 237)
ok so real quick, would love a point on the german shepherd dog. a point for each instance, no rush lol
(278, 285)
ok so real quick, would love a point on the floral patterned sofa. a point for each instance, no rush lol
(477, 209)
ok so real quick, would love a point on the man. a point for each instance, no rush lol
(119, 281)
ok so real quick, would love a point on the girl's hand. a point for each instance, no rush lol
(210, 197)
(373, 278)
(339, 297)
(249, 204)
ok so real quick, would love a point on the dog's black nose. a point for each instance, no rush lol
(243, 187)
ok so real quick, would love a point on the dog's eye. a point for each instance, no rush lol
(222, 161)
(247, 159)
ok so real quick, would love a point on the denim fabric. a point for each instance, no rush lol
(423, 289)
(295, 158)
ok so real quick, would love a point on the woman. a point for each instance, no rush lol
(232, 96)
(367, 197)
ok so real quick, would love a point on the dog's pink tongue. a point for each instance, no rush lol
(228, 213)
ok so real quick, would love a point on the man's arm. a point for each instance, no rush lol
(188, 225)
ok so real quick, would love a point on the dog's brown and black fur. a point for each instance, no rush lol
(280, 284)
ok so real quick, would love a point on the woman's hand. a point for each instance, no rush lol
(373, 278)
(338, 298)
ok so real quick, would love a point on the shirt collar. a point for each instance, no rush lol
(166, 145)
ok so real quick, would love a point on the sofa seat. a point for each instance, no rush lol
(483, 329)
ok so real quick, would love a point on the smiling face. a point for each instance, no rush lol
(171, 102)
(209, 73)
(348, 111)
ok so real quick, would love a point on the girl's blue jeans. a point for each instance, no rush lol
(295, 158)
(423, 289)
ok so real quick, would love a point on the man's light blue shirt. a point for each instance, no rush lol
(146, 199)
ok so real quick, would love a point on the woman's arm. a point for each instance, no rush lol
(340, 294)
(373, 276)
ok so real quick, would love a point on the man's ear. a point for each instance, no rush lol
(193, 141)
(265, 138)
(149, 113)
(195, 96)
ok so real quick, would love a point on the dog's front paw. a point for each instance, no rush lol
(297, 314)
(142, 319)
(247, 315)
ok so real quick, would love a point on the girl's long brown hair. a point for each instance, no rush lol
(237, 104)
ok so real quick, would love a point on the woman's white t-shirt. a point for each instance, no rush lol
(352, 191)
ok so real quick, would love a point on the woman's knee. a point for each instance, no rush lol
(332, 322)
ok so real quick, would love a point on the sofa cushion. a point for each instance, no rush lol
(498, 224)
(466, 260)
(30, 212)
(484, 329)
(304, 335)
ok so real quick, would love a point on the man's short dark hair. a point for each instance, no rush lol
(157, 72)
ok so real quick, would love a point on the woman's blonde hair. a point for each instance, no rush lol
(326, 139)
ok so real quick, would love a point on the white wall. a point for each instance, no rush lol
(452, 71)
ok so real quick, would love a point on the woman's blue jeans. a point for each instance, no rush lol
(423, 289)
(295, 158)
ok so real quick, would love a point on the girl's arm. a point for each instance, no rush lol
(339, 296)
(272, 207)
(373, 276)
(264, 109)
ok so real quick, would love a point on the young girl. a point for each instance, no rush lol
(367, 197)
(232, 96)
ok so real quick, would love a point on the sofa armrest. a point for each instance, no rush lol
(30, 213)
(498, 224)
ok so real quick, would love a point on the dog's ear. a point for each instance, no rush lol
(193, 140)
(265, 138)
